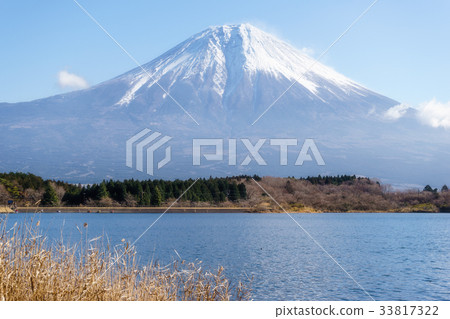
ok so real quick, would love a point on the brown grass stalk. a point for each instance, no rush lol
(33, 269)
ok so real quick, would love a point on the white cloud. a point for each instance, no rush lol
(396, 112)
(435, 114)
(71, 81)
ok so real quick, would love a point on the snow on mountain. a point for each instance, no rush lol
(220, 55)
(225, 77)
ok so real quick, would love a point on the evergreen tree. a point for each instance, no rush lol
(156, 198)
(121, 192)
(102, 192)
(216, 193)
(205, 193)
(242, 191)
(49, 198)
(427, 188)
(193, 197)
(168, 190)
(444, 189)
(222, 197)
(256, 178)
(233, 192)
(146, 197)
(138, 190)
(74, 196)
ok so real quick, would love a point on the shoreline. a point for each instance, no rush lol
(200, 210)
(144, 210)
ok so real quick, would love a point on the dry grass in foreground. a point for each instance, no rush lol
(33, 269)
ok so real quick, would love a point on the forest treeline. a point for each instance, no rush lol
(341, 193)
(26, 189)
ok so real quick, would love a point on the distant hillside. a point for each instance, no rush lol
(344, 194)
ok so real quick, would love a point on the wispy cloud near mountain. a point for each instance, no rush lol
(435, 114)
(432, 113)
(396, 112)
(71, 81)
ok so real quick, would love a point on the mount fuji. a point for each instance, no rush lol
(216, 84)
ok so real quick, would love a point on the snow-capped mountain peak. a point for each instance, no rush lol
(225, 54)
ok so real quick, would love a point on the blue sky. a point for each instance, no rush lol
(400, 48)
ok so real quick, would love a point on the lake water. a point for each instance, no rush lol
(393, 256)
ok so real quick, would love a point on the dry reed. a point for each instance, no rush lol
(33, 269)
